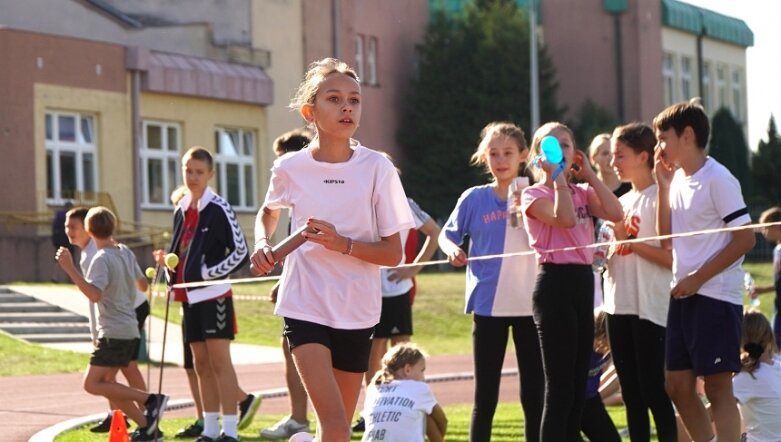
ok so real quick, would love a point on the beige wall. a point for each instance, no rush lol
(198, 118)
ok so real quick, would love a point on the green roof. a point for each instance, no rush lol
(693, 19)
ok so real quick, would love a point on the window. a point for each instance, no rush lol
(705, 93)
(160, 163)
(371, 61)
(669, 79)
(235, 167)
(737, 94)
(721, 87)
(686, 78)
(71, 166)
(359, 57)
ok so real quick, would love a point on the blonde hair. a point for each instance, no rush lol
(100, 222)
(395, 359)
(317, 72)
(178, 194)
(757, 335)
(596, 143)
(201, 154)
(535, 150)
(601, 344)
(492, 130)
(770, 215)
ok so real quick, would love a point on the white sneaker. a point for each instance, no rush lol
(301, 437)
(284, 429)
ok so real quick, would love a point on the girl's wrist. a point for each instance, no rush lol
(348, 250)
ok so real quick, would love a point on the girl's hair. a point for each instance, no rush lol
(178, 194)
(601, 344)
(771, 215)
(639, 137)
(596, 143)
(492, 130)
(757, 335)
(539, 134)
(395, 359)
(199, 153)
(317, 73)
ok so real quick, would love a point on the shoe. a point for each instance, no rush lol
(143, 435)
(360, 426)
(203, 438)
(194, 430)
(247, 409)
(303, 436)
(284, 429)
(103, 426)
(225, 438)
(154, 407)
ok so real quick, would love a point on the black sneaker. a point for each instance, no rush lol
(203, 438)
(225, 438)
(154, 407)
(247, 409)
(360, 426)
(103, 426)
(194, 430)
(143, 435)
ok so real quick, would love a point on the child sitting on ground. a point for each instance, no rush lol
(399, 404)
(111, 282)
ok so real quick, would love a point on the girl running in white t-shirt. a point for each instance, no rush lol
(399, 404)
(351, 199)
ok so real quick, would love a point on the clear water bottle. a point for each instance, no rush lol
(748, 284)
(514, 215)
(602, 253)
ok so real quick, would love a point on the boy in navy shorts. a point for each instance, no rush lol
(706, 305)
(111, 282)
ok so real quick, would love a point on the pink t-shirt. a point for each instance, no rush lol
(544, 237)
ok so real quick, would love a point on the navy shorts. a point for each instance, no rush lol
(212, 319)
(112, 352)
(349, 348)
(703, 335)
(396, 317)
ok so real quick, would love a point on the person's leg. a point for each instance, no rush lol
(527, 354)
(207, 385)
(596, 423)
(649, 357)
(313, 362)
(582, 289)
(224, 374)
(621, 333)
(379, 347)
(99, 381)
(680, 385)
(489, 341)
(350, 388)
(777, 328)
(724, 407)
(295, 388)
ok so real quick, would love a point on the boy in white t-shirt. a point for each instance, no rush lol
(704, 320)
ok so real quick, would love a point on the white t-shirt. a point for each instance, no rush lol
(396, 411)
(364, 200)
(396, 288)
(759, 399)
(709, 199)
(634, 285)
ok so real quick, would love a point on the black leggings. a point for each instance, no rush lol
(489, 341)
(564, 316)
(638, 354)
(596, 422)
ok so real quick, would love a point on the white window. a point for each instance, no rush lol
(721, 87)
(160, 163)
(668, 76)
(737, 95)
(705, 93)
(686, 78)
(235, 167)
(359, 57)
(371, 61)
(71, 165)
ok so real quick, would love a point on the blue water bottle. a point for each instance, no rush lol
(551, 152)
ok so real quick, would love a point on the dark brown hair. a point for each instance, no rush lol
(292, 141)
(680, 115)
(639, 137)
(79, 213)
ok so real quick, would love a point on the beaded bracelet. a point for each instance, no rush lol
(349, 250)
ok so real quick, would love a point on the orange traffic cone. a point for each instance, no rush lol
(118, 432)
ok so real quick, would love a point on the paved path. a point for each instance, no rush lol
(29, 404)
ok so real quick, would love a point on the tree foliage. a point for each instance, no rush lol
(766, 164)
(728, 145)
(473, 69)
(592, 120)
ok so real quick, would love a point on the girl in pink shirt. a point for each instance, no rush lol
(558, 215)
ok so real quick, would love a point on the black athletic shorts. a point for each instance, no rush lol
(212, 319)
(349, 348)
(396, 317)
(112, 352)
(142, 311)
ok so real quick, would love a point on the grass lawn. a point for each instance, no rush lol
(22, 358)
(508, 425)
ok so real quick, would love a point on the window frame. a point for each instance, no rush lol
(79, 147)
(736, 87)
(668, 78)
(242, 160)
(722, 72)
(686, 78)
(164, 154)
(359, 57)
(371, 61)
(707, 91)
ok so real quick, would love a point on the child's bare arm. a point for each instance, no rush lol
(454, 253)
(741, 242)
(385, 252)
(142, 284)
(436, 424)
(65, 261)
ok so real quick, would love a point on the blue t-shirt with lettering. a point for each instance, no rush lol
(499, 286)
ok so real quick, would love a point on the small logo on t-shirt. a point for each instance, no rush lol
(332, 181)
(717, 361)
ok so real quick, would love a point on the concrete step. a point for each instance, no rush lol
(20, 329)
(47, 338)
(42, 317)
(8, 297)
(27, 307)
